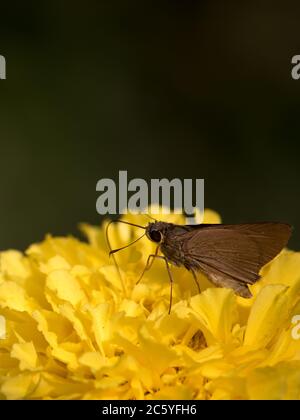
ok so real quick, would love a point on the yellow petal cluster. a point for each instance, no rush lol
(75, 330)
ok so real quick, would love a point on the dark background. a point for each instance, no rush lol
(198, 89)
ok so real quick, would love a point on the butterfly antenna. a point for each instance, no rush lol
(113, 251)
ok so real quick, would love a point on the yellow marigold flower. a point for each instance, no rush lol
(74, 330)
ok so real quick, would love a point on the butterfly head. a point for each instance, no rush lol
(156, 231)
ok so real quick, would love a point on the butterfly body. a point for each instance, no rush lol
(229, 255)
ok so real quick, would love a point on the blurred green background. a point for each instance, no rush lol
(198, 89)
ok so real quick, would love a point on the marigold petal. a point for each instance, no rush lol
(274, 383)
(264, 319)
(216, 311)
(20, 386)
(26, 354)
(14, 297)
(66, 287)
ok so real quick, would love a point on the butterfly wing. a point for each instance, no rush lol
(232, 255)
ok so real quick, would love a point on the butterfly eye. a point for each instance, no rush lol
(155, 236)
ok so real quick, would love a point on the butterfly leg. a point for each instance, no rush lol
(196, 280)
(171, 283)
(148, 264)
(170, 277)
